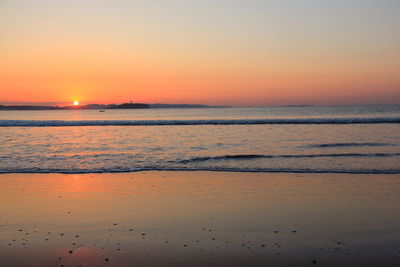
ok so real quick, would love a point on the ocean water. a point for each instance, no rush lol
(333, 139)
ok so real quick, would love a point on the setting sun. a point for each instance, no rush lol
(76, 103)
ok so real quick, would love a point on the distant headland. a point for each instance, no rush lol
(105, 106)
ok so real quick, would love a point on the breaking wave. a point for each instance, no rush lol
(60, 123)
(327, 145)
(249, 157)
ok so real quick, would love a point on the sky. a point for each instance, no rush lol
(218, 52)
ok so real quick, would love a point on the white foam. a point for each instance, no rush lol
(63, 123)
(264, 170)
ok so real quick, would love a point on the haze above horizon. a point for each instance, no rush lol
(236, 52)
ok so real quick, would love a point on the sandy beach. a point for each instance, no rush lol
(199, 219)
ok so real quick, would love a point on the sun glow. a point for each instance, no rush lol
(76, 103)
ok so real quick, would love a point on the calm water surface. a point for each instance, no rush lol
(337, 146)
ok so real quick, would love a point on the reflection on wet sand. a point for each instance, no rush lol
(199, 219)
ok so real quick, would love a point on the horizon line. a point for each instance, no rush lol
(66, 104)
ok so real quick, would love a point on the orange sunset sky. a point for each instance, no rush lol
(225, 52)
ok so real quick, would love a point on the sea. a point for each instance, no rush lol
(294, 139)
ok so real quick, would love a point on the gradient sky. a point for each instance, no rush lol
(231, 52)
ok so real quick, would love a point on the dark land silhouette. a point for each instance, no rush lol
(103, 106)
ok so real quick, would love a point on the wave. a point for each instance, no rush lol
(252, 156)
(59, 123)
(348, 145)
(261, 170)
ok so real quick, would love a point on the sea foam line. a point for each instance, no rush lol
(261, 170)
(61, 123)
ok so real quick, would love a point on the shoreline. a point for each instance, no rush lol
(311, 172)
(165, 218)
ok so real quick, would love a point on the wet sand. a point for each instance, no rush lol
(199, 219)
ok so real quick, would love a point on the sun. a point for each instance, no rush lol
(76, 103)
